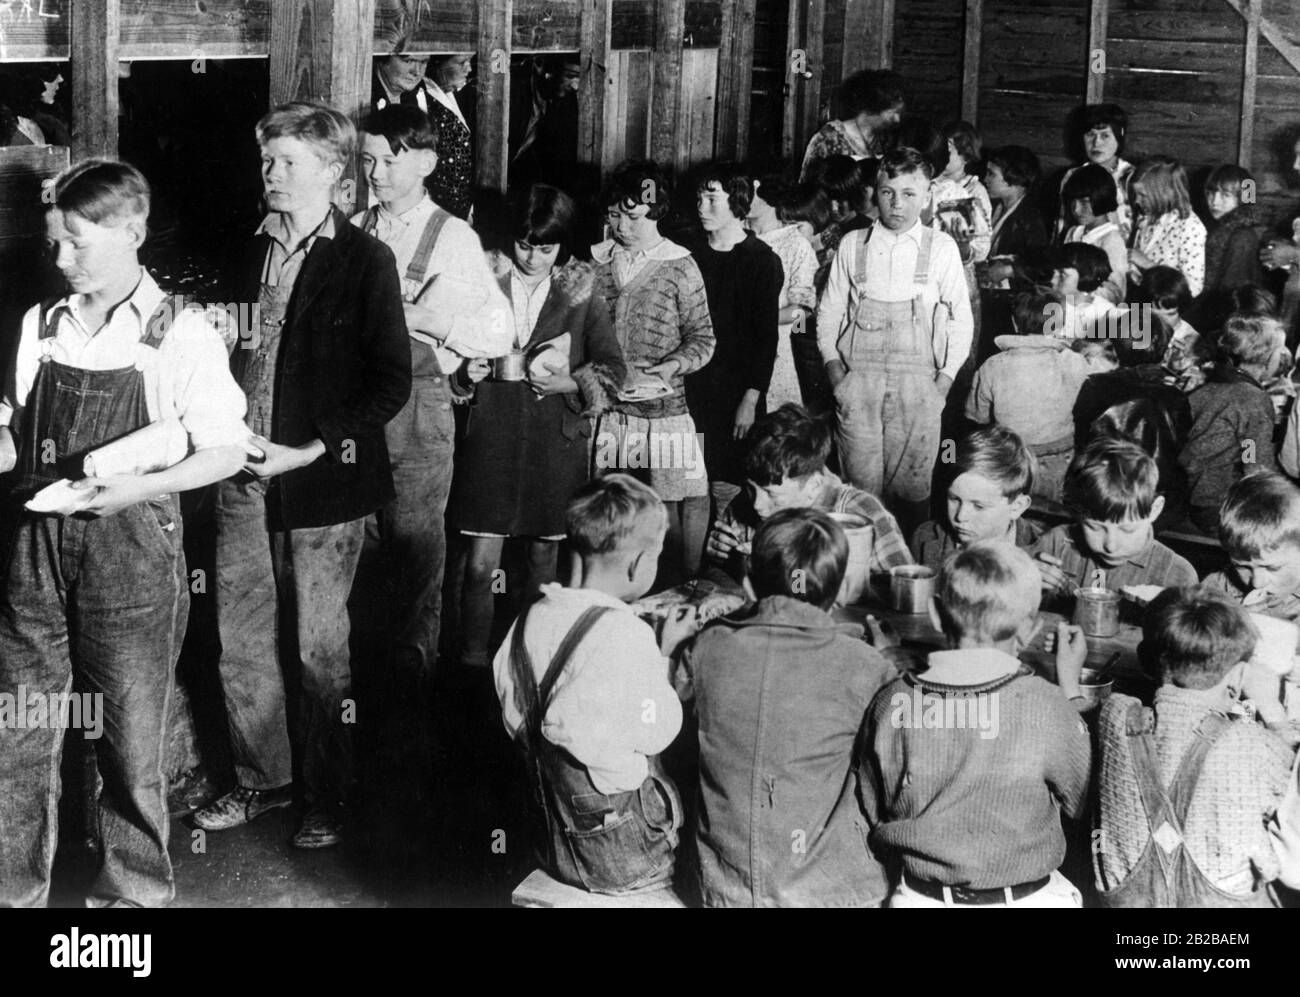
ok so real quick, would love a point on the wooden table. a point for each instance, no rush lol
(919, 634)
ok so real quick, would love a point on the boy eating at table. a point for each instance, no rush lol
(584, 689)
(1259, 527)
(780, 693)
(1111, 488)
(967, 766)
(785, 464)
(987, 499)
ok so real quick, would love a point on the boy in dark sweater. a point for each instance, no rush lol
(969, 764)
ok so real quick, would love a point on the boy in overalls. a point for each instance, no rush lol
(454, 310)
(100, 597)
(894, 328)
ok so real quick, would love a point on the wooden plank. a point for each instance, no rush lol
(424, 26)
(670, 20)
(592, 87)
(493, 73)
(1274, 34)
(859, 30)
(732, 77)
(640, 79)
(699, 73)
(1249, 72)
(613, 146)
(36, 31)
(742, 65)
(809, 82)
(789, 106)
(885, 38)
(183, 29)
(95, 30)
(1098, 14)
(970, 63)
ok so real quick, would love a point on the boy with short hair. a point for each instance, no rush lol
(993, 476)
(969, 803)
(1030, 388)
(584, 687)
(1226, 775)
(780, 692)
(894, 327)
(454, 310)
(1259, 527)
(101, 597)
(785, 466)
(1112, 489)
(326, 368)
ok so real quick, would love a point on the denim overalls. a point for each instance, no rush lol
(104, 597)
(411, 528)
(888, 405)
(1166, 875)
(601, 843)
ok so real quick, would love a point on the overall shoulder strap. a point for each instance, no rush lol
(1147, 770)
(158, 324)
(923, 254)
(370, 220)
(419, 265)
(45, 328)
(860, 270)
(1208, 732)
(521, 670)
(581, 627)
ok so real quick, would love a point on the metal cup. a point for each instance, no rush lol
(1096, 610)
(509, 367)
(911, 587)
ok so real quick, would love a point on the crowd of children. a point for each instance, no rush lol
(668, 404)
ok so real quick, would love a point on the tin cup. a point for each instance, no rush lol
(911, 587)
(1096, 611)
(509, 367)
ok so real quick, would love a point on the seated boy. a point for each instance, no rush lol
(584, 688)
(987, 499)
(1112, 491)
(1030, 388)
(780, 693)
(785, 463)
(1078, 270)
(100, 598)
(968, 765)
(1228, 774)
(1259, 527)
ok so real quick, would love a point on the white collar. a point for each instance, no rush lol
(664, 249)
(969, 666)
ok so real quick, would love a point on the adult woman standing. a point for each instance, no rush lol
(867, 104)
(526, 440)
(452, 183)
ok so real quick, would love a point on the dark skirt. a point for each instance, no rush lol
(519, 463)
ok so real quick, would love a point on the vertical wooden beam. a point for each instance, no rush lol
(970, 64)
(593, 30)
(95, 30)
(858, 36)
(735, 79)
(809, 83)
(1098, 16)
(320, 50)
(1246, 136)
(790, 89)
(493, 72)
(885, 37)
(670, 24)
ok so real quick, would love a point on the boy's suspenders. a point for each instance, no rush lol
(532, 699)
(156, 326)
(419, 265)
(920, 276)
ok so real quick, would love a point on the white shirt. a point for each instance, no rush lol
(457, 284)
(527, 305)
(187, 378)
(613, 704)
(891, 267)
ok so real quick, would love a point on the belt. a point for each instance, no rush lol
(973, 897)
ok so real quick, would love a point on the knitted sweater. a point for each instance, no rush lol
(1244, 777)
(666, 316)
(969, 806)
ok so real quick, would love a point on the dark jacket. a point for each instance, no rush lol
(343, 371)
(1024, 231)
(1134, 403)
(781, 692)
(1231, 435)
(523, 457)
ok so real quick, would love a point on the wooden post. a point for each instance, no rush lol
(858, 34)
(809, 82)
(970, 65)
(320, 50)
(670, 24)
(1246, 136)
(735, 79)
(1098, 15)
(594, 46)
(885, 36)
(493, 72)
(96, 28)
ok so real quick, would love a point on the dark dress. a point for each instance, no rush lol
(522, 457)
(744, 292)
(451, 184)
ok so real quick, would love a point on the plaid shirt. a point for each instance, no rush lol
(1156, 565)
(890, 549)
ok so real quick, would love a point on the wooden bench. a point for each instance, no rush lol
(540, 890)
